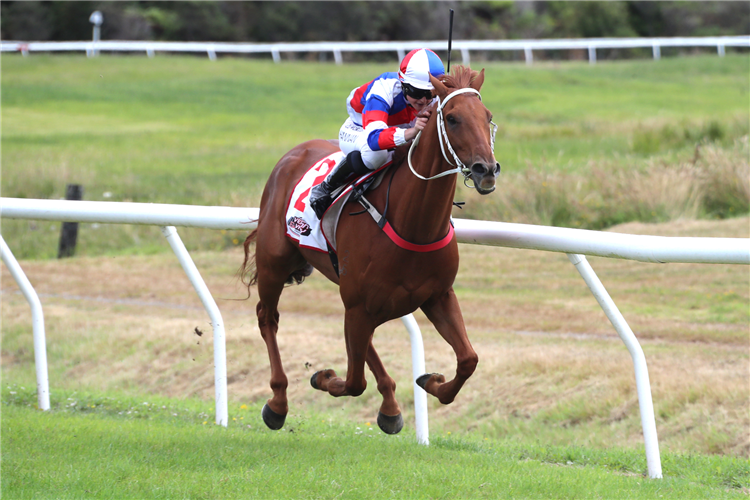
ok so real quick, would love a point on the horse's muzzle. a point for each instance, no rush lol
(484, 176)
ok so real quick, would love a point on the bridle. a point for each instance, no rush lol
(443, 139)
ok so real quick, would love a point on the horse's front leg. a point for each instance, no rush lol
(445, 313)
(358, 334)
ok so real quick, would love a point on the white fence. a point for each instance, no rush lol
(576, 243)
(591, 45)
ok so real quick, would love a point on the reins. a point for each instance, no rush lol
(443, 138)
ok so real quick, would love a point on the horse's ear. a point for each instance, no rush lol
(477, 82)
(440, 89)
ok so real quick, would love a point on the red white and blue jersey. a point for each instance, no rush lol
(380, 107)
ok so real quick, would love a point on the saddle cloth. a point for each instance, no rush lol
(302, 224)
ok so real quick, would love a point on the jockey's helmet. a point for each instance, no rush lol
(416, 68)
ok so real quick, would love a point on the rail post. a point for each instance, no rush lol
(220, 350)
(418, 369)
(37, 321)
(643, 386)
(69, 230)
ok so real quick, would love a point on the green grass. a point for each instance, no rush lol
(122, 447)
(189, 130)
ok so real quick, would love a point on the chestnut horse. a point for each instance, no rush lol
(378, 279)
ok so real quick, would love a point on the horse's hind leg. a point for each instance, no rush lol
(390, 420)
(445, 313)
(270, 286)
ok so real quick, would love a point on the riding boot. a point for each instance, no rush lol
(320, 196)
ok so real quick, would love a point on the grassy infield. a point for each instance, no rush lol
(94, 447)
(181, 130)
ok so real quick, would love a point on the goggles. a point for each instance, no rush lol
(416, 93)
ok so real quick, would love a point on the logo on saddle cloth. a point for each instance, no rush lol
(298, 226)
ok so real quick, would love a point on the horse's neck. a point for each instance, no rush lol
(422, 209)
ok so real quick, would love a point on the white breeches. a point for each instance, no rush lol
(353, 137)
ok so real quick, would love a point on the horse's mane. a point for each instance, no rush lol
(461, 77)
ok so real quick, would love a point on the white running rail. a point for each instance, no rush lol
(211, 49)
(576, 243)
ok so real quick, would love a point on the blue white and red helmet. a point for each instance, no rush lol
(418, 65)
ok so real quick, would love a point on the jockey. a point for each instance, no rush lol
(383, 114)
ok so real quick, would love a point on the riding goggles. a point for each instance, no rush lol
(415, 93)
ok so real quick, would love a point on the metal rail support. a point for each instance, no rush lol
(642, 383)
(37, 321)
(220, 350)
(418, 369)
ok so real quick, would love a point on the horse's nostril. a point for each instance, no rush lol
(479, 169)
(497, 168)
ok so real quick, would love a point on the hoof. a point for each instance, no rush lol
(327, 374)
(422, 380)
(273, 420)
(390, 425)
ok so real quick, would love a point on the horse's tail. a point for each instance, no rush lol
(247, 272)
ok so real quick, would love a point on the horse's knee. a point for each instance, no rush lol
(467, 365)
(356, 388)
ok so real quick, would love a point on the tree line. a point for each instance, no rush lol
(293, 21)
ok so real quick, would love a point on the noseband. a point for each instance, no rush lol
(443, 138)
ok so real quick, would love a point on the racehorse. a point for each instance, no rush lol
(382, 275)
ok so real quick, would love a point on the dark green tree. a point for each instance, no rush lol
(26, 21)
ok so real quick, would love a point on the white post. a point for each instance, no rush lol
(656, 51)
(37, 321)
(96, 19)
(211, 53)
(592, 54)
(720, 50)
(465, 56)
(276, 56)
(220, 351)
(529, 55)
(401, 53)
(642, 383)
(418, 369)
(337, 56)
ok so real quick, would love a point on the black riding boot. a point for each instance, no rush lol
(320, 196)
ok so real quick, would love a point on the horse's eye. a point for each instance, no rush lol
(450, 120)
